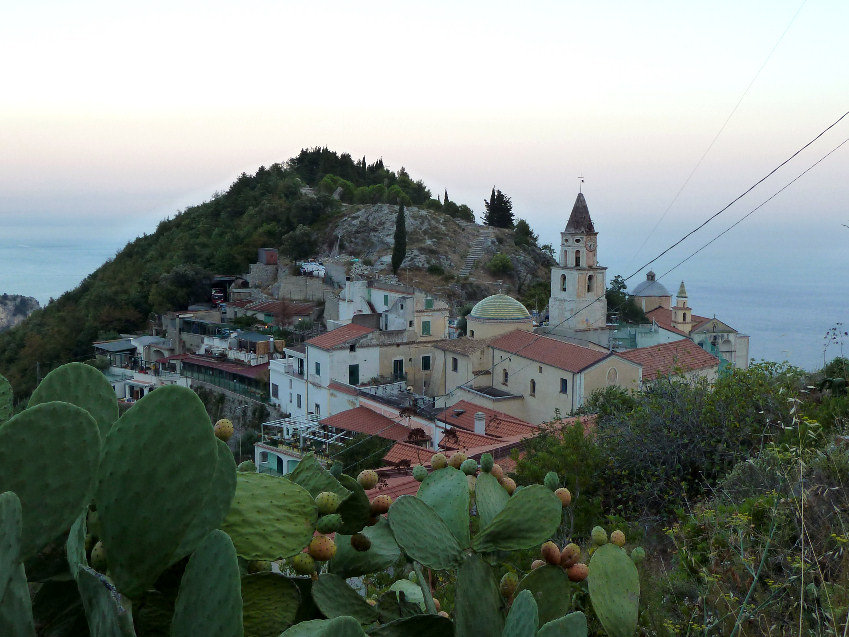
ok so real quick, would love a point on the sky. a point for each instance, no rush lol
(116, 115)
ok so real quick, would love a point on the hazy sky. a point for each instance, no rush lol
(115, 115)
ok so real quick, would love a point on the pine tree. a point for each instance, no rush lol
(399, 250)
(499, 210)
(445, 198)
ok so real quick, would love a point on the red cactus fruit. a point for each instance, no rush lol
(578, 572)
(509, 485)
(537, 563)
(497, 472)
(550, 553)
(322, 548)
(618, 538)
(381, 504)
(564, 495)
(570, 555)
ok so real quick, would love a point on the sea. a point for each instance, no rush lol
(788, 314)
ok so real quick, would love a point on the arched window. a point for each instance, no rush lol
(563, 282)
(685, 317)
(577, 258)
(589, 283)
(533, 387)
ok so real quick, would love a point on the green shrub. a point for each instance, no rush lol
(500, 264)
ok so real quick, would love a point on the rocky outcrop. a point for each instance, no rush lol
(14, 308)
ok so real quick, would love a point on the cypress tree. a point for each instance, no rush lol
(399, 250)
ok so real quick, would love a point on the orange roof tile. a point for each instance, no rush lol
(667, 358)
(547, 350)
(413, 454)
(340, 336)
(465, 440)
(395, 486)
(365, 421)
(497, 422)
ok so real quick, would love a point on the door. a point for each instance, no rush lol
(353, 374)
(398, 369)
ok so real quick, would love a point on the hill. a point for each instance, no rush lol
(304, 207)
(14, 308)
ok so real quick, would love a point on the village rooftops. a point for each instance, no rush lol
(340, 337)
(365, 421)
(462, 415)
(248, 371)
(547, 350)
(669, 358)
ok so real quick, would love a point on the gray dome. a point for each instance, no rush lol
(650, 287)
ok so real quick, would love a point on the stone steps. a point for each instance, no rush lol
(476, 252)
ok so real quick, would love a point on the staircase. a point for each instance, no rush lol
(476, 252)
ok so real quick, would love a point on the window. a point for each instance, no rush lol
(425, 328)
(563, 282)
(454, 364)
(317, 368)
(533, 389)
(577, 258)
(290, 385)
(263, 456)
(505, 376)
(564, 386)
(589, 283)
(352, 347)
(353, 374)
(386, 300)
(275, 391)
(425, 363)
(428, 304)
(685, 317)
(471, 333)
(402, 306)
(411, 324)
(317, 409)
(290, 397)
(540, 369)
(299, 401)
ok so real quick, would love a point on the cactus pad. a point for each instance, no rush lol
(210, 600)
(436, 548)
(477, 602)
(6, 399)
(48, 457)
(81, 385)
(614, 586)
(16, 607)
(335, 598)
(108, 613)
(412, 592)
(270, 604)
(529, 518)
(157, 463)
(447, 493)
(10, 537)
(571, 625)
(338, 627)
(75, 545)
(490, 498)
(270, 517)
(216, 503)
(314, 478)
(355, 509)
(551, 589)
(522, 620)
(384, 552)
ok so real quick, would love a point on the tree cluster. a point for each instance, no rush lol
(499, 210)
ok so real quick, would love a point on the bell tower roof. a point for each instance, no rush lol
(682, 291)
(579, 220)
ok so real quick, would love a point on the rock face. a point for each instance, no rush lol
(14, 308)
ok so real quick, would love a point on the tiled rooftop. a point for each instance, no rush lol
(365, 421)
(667, 358)
(497, 423)
(340, 336)
(547, 350)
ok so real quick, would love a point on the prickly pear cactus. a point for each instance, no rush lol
(447, 493)
(614, 586)
(529, 518)
(522, 620)
(10, 537)
(383, 552)
(437, 548)
(5, 399)
(477, 604)
(335, 598)
(314, 478)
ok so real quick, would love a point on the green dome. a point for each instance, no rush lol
(500, 307)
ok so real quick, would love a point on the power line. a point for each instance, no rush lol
(719, 132)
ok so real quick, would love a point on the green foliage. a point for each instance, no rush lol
(499, 210)
(399, 247)
(523, 235)
(300, 243)
(500, 263)
(619, 307)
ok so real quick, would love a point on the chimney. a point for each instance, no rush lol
(480, 423)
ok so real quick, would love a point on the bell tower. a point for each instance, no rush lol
(577, 283)
(682, 315)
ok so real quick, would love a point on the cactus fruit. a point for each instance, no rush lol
(497, 472)
(438, 461)
(322, 548)
(259, 566)
(550, 553)
(551, 480)
(638, 554)
(329, 523)
(223, 429)
(537, 563)
(599, 536)
(303, 563)
(508, 585)
(618, 538)
(336, 469)
(457, 460)
(442, 613)
(578, 572)
(98, 557)
(367, 479)
(327, 502)
(469, 467)
(419, 473)
(509, 485)
(247, 466)
(360, 542)
(381, 504)
(570, 555)
(486, 462)
(565, 496)
(437, 605)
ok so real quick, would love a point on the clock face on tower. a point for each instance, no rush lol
(591, 245)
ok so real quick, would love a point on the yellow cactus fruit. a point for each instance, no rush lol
(223, 429)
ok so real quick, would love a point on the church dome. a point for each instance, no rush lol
(650, 287)
(499, 307)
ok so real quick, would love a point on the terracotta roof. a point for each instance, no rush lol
(249, 371)
(466, 440)
(663, 318)
(497, 423)
(365, 421)
(340, 336)
(667, 358)
(550, 351)
(342, 387)
(413, 454)
(462, 345)
(579, 220)
(395, 486)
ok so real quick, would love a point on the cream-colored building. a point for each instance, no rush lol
(651, 294)
(496, 315)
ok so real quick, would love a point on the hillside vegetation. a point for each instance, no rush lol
(294, 206)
